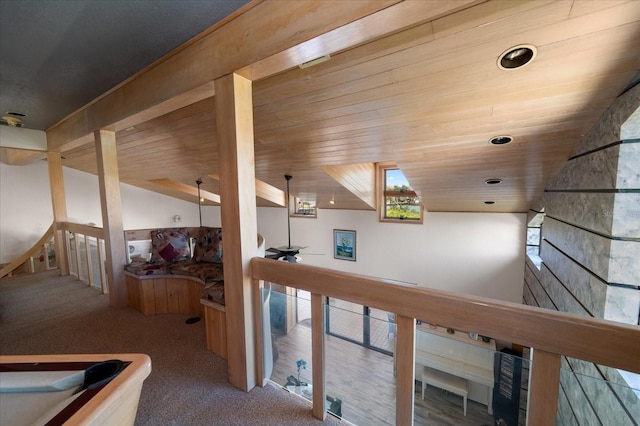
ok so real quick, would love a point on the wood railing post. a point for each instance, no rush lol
(405, 355)
(317, 355)
(543, 388)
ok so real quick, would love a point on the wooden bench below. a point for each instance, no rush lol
(159, 294)
(446, 381)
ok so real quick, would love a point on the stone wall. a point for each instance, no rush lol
(590, 257)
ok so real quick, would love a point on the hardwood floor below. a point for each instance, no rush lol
(363, 379)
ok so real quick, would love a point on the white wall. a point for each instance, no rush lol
(25, 206)
(473, 253)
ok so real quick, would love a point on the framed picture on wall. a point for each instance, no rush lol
(344, 244)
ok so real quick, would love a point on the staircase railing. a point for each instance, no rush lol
(86, 253)
(85, 248)
(42, 250)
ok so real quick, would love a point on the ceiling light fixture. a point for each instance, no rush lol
(517, 57)
(493, 181)
(12, 121)
(332, 201)
(500, 140)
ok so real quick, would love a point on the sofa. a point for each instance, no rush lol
(185, 265)
(180, 271)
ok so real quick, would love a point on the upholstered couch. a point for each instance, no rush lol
(186, 265)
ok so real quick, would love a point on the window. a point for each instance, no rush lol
(399, 202)
(534, 236)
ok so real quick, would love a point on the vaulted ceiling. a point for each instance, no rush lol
(416, 83)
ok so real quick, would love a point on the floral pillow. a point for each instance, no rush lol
(209, 245)
(170, 245)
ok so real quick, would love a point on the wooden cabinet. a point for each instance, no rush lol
(216, 327)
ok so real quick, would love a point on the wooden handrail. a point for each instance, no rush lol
(591, 339)
(27, 254)
(77, 228)
(550, 334)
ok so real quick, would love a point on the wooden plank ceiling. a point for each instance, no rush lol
(428, 98)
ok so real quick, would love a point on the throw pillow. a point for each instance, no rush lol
(170, 245)
(209, 245)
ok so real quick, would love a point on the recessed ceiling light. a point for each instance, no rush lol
(500, 140)
(489, 202)
(517, 57)
(493, 181)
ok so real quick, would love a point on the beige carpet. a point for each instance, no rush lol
(48, 314)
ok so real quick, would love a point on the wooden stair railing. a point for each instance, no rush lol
(29, 254)
(550, 334)
(84, 264)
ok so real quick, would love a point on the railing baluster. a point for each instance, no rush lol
(76, 244)
(103, 278)
(543, 388)
(46, 257)
(406, 333)
(87, 255)
(317, 355)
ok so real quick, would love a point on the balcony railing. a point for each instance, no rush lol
(549, 334)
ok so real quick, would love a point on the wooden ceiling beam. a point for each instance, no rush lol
(187, 189)
(265, 191)
(20, 157)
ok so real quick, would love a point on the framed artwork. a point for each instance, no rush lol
(344, 244)
(303, 208)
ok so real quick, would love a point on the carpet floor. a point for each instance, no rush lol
(47, 314)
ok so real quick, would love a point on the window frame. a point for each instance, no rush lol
(382, 195)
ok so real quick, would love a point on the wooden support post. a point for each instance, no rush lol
(406, 335)
(59, 204)
(109, 180)
(317, 355)
(544, 388)
(234, 114)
